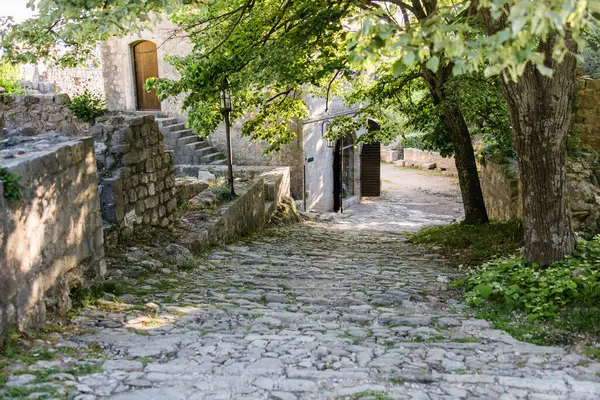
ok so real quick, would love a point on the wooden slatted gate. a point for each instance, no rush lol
(370, 170)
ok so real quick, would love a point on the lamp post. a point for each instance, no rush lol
(226, 107)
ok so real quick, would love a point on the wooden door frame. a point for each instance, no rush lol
(134, 87)
(338, 176)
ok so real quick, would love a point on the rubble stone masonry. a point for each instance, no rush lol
(136, 182)
(51, 239)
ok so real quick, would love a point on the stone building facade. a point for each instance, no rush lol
(118, 69)
(308, 157)
(51, 239)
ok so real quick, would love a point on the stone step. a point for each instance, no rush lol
(205, 151)
(163, 122)
(186, 140)
(219, 162)
(199, 145)
(179, 134)
(212, 157)
(174, 127)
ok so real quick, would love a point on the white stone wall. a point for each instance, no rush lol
(319, 173)
(119, 74)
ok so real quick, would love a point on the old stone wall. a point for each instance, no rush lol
(501, 190)
(40, 113)
(255, 205)
(137, 185)
(51, 239)
(419, 157)
(500, 186)
(72, 81)
(586, 119)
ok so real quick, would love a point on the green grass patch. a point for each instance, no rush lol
(22, 392)
(592, 352)
(472, 245)
(572, 284)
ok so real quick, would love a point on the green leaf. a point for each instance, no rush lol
(409, 58)
(433, 63)
(398, 68)
(484, 290)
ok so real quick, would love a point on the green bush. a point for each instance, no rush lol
(87, 106)
(13, 190)
(542, 292)
(414, 140)
(9, 78)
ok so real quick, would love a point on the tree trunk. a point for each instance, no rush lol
(464, 155)
(464, 158)
(540, 109)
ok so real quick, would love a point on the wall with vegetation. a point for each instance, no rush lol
(51, 239)
(40, 113)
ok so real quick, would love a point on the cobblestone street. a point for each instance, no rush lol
(338, 307)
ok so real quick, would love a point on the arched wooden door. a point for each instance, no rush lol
(146, 66)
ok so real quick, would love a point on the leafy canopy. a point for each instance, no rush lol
(274, 52)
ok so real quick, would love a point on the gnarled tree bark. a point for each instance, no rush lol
(540, 109)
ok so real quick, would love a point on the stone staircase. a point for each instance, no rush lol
(187, 147)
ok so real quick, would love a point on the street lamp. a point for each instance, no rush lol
(324, 128)
(226, 107)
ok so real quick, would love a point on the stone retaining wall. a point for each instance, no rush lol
(51, 239)
(501, 191)
(268, 191)
(40, 113)
(137, 185)
(586, 120)
(500, 187)
(425, 157)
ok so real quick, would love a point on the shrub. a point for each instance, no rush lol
(542, 292)
(9, 78)
(87, 106)
(13, 190)
(414, 140)
(220, 187)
